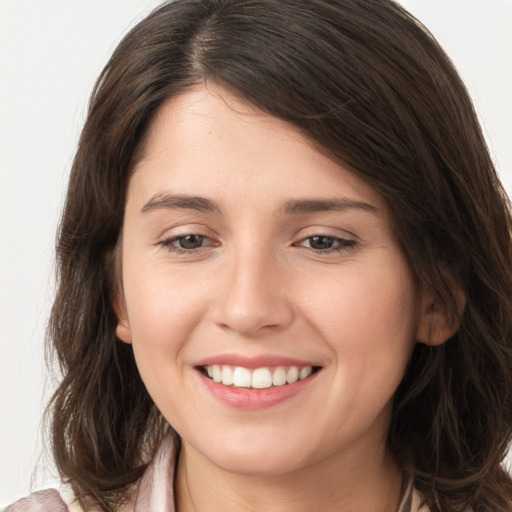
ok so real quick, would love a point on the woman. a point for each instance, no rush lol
(284, 271)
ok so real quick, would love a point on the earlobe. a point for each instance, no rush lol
(437, 324)
(123, 331)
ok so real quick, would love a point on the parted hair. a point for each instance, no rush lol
(372, 89)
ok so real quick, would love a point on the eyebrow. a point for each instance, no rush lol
(294, 206)
(301, 206)
(180, 202)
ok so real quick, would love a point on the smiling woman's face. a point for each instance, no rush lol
(250, 257)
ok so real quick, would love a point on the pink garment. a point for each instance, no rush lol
(155, 491)
(42, 501)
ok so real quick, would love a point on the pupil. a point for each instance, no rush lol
(191, 241)
(321, 242)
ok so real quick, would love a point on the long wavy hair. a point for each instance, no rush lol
(371, 88)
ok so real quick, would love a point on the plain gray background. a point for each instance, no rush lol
(50, 55)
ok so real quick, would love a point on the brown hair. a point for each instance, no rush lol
(372, 88)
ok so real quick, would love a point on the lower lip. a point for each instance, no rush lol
(250, 398)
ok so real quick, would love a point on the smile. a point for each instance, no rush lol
(257, 378)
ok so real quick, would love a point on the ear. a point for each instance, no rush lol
(123, 331)
(437, 324)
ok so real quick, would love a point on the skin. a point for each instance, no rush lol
(255, 285)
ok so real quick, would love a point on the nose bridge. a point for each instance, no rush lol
(253, 296)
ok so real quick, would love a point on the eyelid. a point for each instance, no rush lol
(342, 240)
(339, 242)
(184, 229)
(170, 234)
(322, 230)
(170, 244)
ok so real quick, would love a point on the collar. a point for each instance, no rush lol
(156, 487)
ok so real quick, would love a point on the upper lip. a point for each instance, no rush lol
(260, 361)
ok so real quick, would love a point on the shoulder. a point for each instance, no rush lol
(416, 503)
(41, 501)
(411, 500)
(152, 492)
(49, 500)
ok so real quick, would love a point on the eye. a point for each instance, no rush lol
(190, 242)
(326, 243)
(186, 243)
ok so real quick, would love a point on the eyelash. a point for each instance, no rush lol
(338, 244)
(171, 243)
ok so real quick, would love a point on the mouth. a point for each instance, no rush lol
(257, 378)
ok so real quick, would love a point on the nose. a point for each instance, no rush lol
(252, 298)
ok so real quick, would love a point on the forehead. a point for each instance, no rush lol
(207, 137)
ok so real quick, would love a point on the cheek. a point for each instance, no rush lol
(163, 311)
(369, 319)
(163, 308)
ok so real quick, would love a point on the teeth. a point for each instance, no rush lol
(227, 375)
(304, 373)
(217, 373)
(242, 377)
(292, 375)
(279, 376)
(259, 378)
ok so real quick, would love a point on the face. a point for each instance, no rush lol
(270, 310)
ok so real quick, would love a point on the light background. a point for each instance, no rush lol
(50, 55)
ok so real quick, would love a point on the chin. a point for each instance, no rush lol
(254, 458)
(261, 465)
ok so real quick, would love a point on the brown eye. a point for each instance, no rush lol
(190, 241)
(321, 242)
(327, 244)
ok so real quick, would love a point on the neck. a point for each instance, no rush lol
(349, 483)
